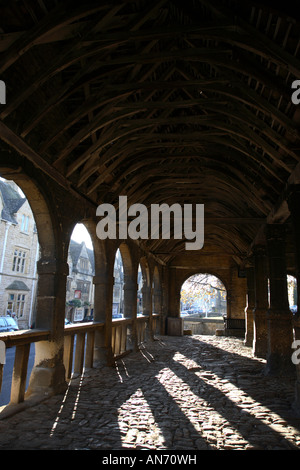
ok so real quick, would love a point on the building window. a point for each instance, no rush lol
(25, 223)
(69, 282)
(84, 287)
(16, 304)
(19, 261)
(84, 264)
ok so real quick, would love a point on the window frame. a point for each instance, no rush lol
(16, 303)
(20, 257)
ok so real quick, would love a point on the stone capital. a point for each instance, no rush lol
(100, 280)
(52, 266)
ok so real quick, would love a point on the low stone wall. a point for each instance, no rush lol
(204, 326)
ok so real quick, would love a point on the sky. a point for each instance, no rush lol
(80, 234)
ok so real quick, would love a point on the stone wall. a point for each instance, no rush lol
(204, 326)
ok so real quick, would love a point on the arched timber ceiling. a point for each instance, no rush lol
(163, 101)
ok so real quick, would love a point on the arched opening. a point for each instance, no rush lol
(18, 262)
(118, 288)
(80, 287)
(156, 291)
(203, 295)
(140, 283)
(20, 251)
(45, 268)
(292, 292)
(144, 287)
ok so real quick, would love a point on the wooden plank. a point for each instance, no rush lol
(89, 354)
(1, 375)
(82, 327)
(68, 355)
(51, 23)
(79, 353)
(123, 338)
(113, 338)
(8, 136)
(117, 343)
(21, 337)
(19, 374)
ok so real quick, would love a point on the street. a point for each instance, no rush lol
(8, 370)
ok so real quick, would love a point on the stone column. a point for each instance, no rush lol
(103, 314)
(157, 300)
(279, 317)
(260, 337)
(250, 305)
(130, 311)
(48, 374)
(294, 207)
(147, 308)
(157, 308)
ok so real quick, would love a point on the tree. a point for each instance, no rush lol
(200, 289)
(76, 303)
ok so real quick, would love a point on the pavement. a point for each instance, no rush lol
(184, 393)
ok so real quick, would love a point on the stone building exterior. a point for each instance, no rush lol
(118, 292)
(80, 290)
(18, 256)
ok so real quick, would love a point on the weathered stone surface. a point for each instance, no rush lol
(197, 393)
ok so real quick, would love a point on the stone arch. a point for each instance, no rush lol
(145, 286)
(52, 253)
(100, 251)
(179, 276)
(129, 278)
(156, 291)
(127, 260)
(156, 281)
(118, 285)
(205, 270)
(292, 291)
(48, 373)
(41, 209)
(215, 276)
(145, 270)
(81, 280)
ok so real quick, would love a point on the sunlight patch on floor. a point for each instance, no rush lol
(137, 423)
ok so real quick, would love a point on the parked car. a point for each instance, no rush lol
(184, 312)
(117, 315)
(7, 323)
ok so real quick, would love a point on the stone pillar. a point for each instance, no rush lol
(157, 308)
(279, 317)
(294, 207)
(147, 308)
(157, 301)
(250, 305)
(260, 337)
(103, 314)
(130, 311)
(48, 374)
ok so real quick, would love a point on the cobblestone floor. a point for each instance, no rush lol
(177, 393)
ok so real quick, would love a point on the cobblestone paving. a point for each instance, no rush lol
(177, 393)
